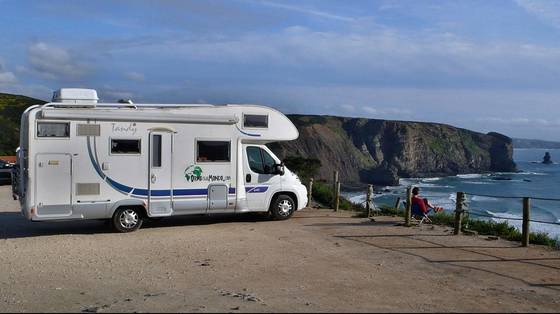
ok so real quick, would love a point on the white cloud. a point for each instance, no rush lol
(522, 121)
(547, 11)
(56, 63)
(381, 111)
(307, 11)
(135, 76)
(6, 77)
(348, 108)
(374, 55)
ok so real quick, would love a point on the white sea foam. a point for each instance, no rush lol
(431, 179)
(478, 182)
(553, 231)
(477, 198)
(470, 176)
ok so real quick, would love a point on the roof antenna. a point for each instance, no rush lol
(127, 101)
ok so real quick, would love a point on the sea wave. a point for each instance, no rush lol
(431, 179)
(478, 182)
(471, 176)
(514, 220)
(477, 198)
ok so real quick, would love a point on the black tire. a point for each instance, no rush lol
(127, 219)
(282, 207)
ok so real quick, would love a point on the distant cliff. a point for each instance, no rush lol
(380, 151)
(526, 143)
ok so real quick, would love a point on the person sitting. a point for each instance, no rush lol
(421, 206)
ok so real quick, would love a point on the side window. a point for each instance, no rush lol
(268, 162)
(255, 121)
(53, 129)
(125, 146)
(156, 150)
(213, 151)
(255, 159)
(259, 160)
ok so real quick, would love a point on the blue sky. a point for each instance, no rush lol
(490, 65)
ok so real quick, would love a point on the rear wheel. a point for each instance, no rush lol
(127, 219)
(282, 207)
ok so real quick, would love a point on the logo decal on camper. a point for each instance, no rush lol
(129, 129)
(193, 173)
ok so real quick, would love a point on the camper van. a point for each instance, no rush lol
(125, 162)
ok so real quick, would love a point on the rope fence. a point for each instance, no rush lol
(461, 206)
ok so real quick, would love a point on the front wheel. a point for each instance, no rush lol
(127, 219)
(282, 207)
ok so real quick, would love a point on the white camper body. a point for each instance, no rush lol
(82, 160)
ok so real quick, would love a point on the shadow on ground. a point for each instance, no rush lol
(485, 258)
(14, 225)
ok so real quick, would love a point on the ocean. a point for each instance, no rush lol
(534, 179)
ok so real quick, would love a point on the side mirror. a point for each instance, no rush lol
(279, 169)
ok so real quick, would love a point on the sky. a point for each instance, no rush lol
(488, 65)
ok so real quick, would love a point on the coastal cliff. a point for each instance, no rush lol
(381, 151)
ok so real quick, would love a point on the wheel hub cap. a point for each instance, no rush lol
(285, 207)
(129, 219)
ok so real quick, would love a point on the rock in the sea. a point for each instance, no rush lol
(547, 160)
(380, 151)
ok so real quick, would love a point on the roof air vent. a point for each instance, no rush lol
(75, 97)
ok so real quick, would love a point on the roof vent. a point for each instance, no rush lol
(75, 97)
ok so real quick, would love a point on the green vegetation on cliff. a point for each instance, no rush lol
(11, 108)
(381, 151)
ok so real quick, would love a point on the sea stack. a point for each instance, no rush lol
(547, 160)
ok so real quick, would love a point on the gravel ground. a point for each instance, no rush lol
(316, 261)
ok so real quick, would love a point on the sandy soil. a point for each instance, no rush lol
(316, 261)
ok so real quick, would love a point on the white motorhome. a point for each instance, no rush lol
(80, 159)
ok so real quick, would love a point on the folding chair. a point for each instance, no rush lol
(418, 215)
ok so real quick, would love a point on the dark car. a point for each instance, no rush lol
(5, 172)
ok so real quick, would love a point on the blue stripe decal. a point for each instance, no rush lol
(144, 192)
(249, 134)
(256, 189)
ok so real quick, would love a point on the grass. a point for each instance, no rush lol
(492, 228)
(323, 194)
(483, 227)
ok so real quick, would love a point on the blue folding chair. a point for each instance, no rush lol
(418, 215)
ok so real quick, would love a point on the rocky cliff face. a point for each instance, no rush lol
(381, 151)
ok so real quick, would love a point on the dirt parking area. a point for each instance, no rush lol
(316, 261)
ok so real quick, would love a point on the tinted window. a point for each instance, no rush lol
(268, 162)
(255, 121)
(125, 146)
(156, 150)
(53, 129)
(255, 159)
(213, 151)
(259, 160)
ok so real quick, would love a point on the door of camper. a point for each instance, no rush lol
(53, 187)
(160, 184)
(259, 177)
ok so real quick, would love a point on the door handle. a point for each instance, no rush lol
(153, 178)
(248, 178)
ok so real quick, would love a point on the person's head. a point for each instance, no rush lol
(415, 191)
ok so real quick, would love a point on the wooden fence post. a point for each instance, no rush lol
(368, 199)
(335, 181)
(408, 211)
(398, 203)
(458, 212)
(526, 217)
(337, 197)
(310, 192)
